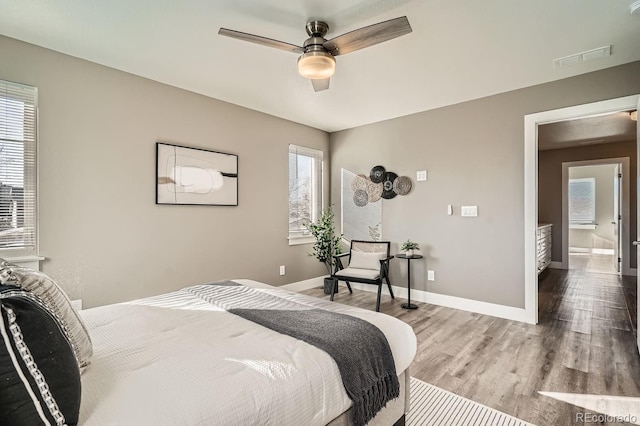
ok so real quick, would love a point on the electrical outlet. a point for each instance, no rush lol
(421, 175)
(281, 269)
(431, 275)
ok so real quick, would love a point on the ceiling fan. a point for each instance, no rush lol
(317, 61)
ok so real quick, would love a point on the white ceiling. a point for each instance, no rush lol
(459, 49)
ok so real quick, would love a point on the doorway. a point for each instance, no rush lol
(594, 202)
(532, 121)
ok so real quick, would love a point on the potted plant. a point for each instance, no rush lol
(327, 244)
(408, 247)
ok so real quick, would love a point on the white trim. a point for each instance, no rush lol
(295, 241)
(582, 226)
(305, 285)
(484, 308)
(625, 224)
(531, 122)
(555, 265)
(469, 305)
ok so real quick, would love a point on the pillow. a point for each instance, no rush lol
(364, 260)
(38, 368)
(56, 301)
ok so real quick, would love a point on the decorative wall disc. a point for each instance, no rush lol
(402, 185)
(387, 185)
(359, 182)
(360, 198)
(377, 174)
(374, 191)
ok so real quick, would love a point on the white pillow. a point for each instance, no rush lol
(364, 260)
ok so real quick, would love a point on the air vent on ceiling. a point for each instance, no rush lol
(588, 55)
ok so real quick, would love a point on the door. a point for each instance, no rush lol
(638, 236)
(617, 216)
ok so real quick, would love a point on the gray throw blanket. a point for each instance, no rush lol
(359, 348)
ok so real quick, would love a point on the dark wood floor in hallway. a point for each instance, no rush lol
(584, 345)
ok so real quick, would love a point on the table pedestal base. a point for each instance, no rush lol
(408, 306)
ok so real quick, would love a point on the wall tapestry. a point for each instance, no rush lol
(195, 176)
(361, 213)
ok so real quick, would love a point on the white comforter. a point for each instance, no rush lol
(174, 359)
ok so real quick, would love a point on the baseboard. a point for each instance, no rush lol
(469, 305)
(555, 265)
(631, 272)
(479, 307)
(305, 285)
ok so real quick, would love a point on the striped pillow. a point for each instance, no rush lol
(58, 304)
(39, 374)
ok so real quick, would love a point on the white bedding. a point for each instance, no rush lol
(174, 359)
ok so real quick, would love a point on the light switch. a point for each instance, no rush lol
(469, 211)
(449, 209)
(421, 175)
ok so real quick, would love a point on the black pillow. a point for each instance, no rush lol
(39, 374)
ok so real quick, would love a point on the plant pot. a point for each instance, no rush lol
(328, 282)
(408, 253)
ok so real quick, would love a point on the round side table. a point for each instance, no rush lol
(409, 305)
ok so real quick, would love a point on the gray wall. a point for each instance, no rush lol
(604, 236)
(550, 186)
(104, 238)
(474, 154)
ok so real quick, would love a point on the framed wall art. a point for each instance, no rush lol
(195, 176)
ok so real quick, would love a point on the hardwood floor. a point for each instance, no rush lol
(584, 345)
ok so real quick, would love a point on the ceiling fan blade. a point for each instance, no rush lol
(320, 85)
(261, 40)
(368, 36)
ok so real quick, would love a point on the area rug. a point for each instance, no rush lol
(431, 405)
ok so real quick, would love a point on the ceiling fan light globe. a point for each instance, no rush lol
(316, 65)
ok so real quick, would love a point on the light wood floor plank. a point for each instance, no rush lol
(584, 343)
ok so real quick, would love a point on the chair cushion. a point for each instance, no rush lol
(364, 260)
(369, 274)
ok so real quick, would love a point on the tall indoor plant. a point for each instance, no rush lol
(327, 243)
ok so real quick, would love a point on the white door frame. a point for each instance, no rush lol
(531, 122)
(624, 235)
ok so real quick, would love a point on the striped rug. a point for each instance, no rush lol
(431, 405)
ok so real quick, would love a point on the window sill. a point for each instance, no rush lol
(583, 226)
(31, 262)
(296, 241)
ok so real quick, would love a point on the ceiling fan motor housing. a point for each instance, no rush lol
(316, 62)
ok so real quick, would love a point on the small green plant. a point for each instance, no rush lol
(327, 243)
(409, 245)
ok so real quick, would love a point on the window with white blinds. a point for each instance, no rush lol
(305, 191)
(18, 168)
(582, 201)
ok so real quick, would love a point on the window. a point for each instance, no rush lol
(582, 201)
(305, 191)
(18, 113)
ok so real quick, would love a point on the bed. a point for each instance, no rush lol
(190, 357)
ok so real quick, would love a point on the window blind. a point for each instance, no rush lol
(18, 167)
(582, 200)
(305, 188)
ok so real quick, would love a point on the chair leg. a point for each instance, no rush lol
(379, 294)
(389, 285)
(349, 287)
(333, 289)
